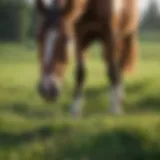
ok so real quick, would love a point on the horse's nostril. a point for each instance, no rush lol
(54, 91)
(50, 93)
(42, 91)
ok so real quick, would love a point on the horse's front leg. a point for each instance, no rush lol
(78, 95)
(114, 73)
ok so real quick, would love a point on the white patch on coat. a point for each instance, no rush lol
(118, 6)
(49, 46)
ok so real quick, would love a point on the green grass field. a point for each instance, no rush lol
(30, 129)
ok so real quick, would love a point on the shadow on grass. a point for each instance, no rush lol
(67, 143)
(117, 144)
(26, 102)
(136, 98)
(96, 100)
(26, 110)
(140, 98)
(149, 103)
(9, 139)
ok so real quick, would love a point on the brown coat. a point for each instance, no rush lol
(120, 15)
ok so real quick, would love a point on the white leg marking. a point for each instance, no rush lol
(116, 99)
(49, 46)
(77, 106)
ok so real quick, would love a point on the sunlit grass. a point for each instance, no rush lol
(33, 129)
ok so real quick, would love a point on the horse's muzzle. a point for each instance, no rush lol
(50, 93)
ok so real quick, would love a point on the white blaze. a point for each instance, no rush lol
(49, 49)
(49, 46)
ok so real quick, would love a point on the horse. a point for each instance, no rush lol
(114, 23)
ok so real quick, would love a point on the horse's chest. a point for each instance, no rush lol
(89, 29)
(99, 17)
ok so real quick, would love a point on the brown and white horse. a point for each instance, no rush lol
(113, 22)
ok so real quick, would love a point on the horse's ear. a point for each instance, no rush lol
(41, 8)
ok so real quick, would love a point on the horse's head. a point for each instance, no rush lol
(52, 49)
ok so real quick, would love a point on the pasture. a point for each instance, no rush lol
(30, 129)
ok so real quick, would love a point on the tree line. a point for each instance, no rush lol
(16, 20)
(151, 18)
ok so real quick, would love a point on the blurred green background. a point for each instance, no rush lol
(31, 129)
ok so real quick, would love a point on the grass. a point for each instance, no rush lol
(31, 129)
